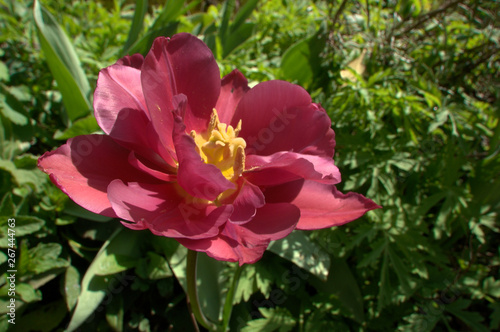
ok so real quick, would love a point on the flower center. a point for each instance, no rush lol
(220, 145)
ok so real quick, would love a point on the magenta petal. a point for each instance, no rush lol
(247, 243)
(192, 221)
(118, 93)
(135, 61)
(121, 112)
(284, 167)
(160, 208)
(234, 86)
(85, 166)
(274, 117)
(194, 175)
(138, 163)
(180, 65)
(321, 205)
(142, 202)
(246, 203)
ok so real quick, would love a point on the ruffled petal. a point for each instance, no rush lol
(246, 243)
(282, 167)
(234, 86)
(141, 165)
(120, 110)
(164, 210)
(191, 221)
(321, 205)
(246, 202)
(142, 202)
(85, 166)
(274, 115)
(135, 61)
(180, 65)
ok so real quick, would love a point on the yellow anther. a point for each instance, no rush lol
(220, 145)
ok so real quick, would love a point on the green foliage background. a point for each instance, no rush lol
(412, 88)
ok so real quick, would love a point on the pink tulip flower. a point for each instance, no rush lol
(221, 168)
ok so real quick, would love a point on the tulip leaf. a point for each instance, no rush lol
(302, 61)
(209, 286)
(298, 249)
(63, 63)
(109, 260)
(141, 8)
(243, 14)
(238, 37)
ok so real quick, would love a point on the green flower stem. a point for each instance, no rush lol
(192, 291)
(228, 305)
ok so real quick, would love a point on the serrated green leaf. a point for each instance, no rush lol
(298, 249)
(246, 284)
(472, 318)
(275, 319)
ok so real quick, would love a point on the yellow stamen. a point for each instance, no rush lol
(220, 145)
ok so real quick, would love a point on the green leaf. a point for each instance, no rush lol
(243, 14)
(473, 319)
(42, 258)
(209, 286)
(7, 207)
(342, 283)
(85, 126)
(71, 287)
(115, 313)
(12, 109)
(491, 287)
(27, 293)
(33, 177)
(227, 10)
(275, 319)
(45, 318)
(306, 254)
(121, 244)
(153, 267)
(24, 225)
(4, 72)
(301, 62)
(236, 38)
(63, 64)
(141, 8)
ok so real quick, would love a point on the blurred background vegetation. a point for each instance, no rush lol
(412, 88)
